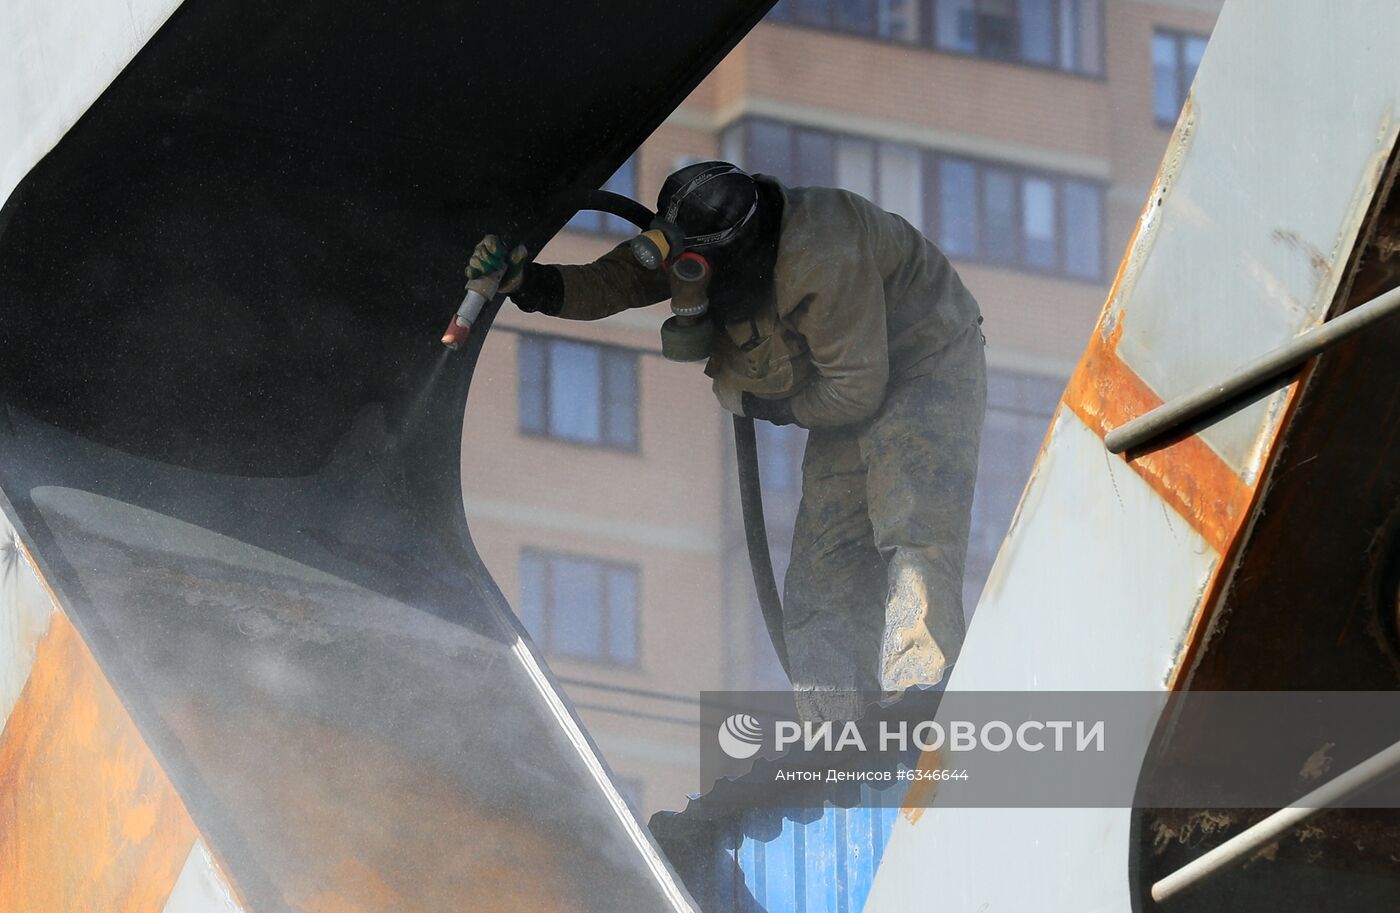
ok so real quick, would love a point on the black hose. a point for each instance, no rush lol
(756, 536)
(745, 447)
(618, 205)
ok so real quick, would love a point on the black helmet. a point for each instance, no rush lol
(711, 202)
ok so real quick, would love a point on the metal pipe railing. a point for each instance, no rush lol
(1241, 847)
(1171, 415)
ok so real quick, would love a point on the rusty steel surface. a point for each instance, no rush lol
(88, 818)
(220, 298)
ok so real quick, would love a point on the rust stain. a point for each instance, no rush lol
(1200, 631)
(1104, 392)
(358, 825)
(88, 820)
(1189, 828)
(921, 793)
(140, 822)
(1320, 262)
(373, 892)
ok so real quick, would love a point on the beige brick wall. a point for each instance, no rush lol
(1033, 321)
(1034, 107)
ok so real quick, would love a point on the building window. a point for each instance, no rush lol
(1000, 231)
(888, 174)
(955, 25)
(1038, 205)
(996, 29)
(897, 19)
(1063, 34)
(1037, 32)
(1175, 58)
(901, 187)
(958, 223)
(974, 210)
(1010, 216)
(580, 607)
(578, 391)
(859, 17)
(1083, 221)
(601, 223)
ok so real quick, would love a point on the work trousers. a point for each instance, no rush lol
(873, 594)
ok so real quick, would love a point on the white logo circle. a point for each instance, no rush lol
(741, 736)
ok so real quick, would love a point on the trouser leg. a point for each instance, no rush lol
(921, 457)
(833, 594)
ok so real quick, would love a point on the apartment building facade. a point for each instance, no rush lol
(1020, 136)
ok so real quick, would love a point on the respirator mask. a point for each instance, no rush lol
(716, 202)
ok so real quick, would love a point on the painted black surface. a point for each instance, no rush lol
(220, 299)
(263, 222)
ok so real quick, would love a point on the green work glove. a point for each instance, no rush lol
(490, 257)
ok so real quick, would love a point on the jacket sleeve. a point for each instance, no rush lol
(613, 283)
(842, 317)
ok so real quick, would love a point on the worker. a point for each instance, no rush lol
(839, 317)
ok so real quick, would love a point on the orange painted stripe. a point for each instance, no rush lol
(919, 797)
(1215, 588)
(88, 820)
(1105, 393)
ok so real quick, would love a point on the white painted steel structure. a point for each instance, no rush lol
(60, 56)
(1104, 576)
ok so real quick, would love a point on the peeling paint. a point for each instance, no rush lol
(921, 793)
(1318, 763)
(1305, 832)
(1195, 828)
(1319, 261)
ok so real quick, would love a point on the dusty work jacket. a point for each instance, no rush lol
(860, 299)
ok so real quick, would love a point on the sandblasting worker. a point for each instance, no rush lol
(841, 318)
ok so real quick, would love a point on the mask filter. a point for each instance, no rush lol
(688, 334)
(659, 244)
